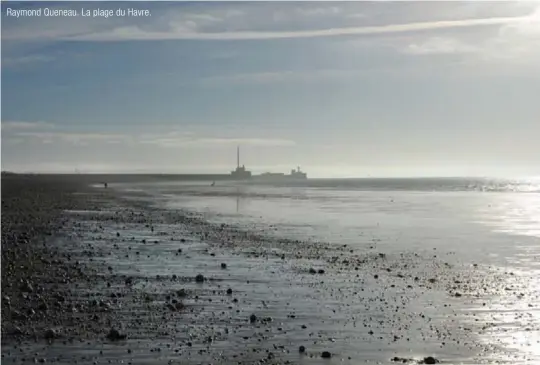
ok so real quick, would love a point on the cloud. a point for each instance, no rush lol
(181, 142)
(22, 131)
(517, 42)
(25, 60)
(82, 139)
(440, 45)
(247, 21)
(286, 76)
(18, 125)
(134, 32)
(319, 11)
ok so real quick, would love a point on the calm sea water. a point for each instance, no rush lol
(496, 221)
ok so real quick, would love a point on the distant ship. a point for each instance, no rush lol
(278, 176)
(240, 173)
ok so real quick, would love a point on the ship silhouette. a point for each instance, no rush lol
(241, 173)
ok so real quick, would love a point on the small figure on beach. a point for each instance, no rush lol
(213, 183)
(105, 185)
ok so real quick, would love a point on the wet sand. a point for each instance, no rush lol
(108, 278)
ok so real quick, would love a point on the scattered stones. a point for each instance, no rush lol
(57, 296)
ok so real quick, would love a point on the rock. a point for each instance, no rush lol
(16, 331)
(199, 278)
(181, 293)
(252, 318)
(223, 265)
(301, 349)
(229, 291)
(326, 355)
(430, 360)
(26, 287)
(50, 334)
(400, 359)
(312, 271)
(114, 335)
(18, 315)
(321, 271)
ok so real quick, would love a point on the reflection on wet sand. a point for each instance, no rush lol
(469, 298)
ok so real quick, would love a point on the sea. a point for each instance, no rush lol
(495, 220)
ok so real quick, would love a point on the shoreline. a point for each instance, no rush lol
(121, 264)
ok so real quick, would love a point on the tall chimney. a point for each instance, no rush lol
(237, 156)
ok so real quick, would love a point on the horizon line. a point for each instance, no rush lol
(170, 174)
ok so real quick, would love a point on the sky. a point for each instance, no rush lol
(342, 89)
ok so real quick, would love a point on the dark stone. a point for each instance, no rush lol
(114, 335)
(302, 349)
(199, 278)
(326, 355)
(50, 334)
(181, 293)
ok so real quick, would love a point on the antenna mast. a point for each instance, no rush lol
(237, 156)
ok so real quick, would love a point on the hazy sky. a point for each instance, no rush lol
(339, 88)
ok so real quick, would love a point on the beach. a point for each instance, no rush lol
(184, 273)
